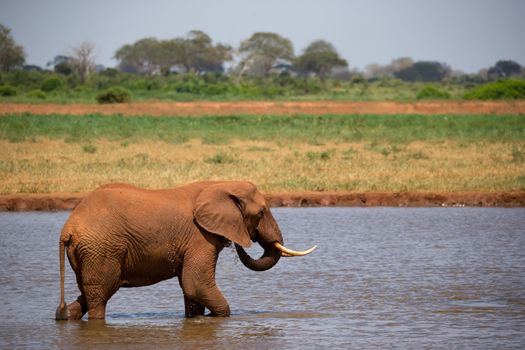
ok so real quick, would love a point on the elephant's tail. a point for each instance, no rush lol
(61, 313)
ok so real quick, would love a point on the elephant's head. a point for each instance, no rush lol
(238, 211)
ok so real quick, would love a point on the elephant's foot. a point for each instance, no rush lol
(75, 311)
(193, 309)
(221, 312)
(97, 313)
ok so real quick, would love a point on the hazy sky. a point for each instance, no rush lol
(467, 34)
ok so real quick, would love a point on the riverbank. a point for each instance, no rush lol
(68, 201)
(201, 108)
(290, 147)
(281, 154)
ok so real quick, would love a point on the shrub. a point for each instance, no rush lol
(216, 89)
(23, 80)
(110, 72)
(7, 90)
(51, 84)
(89, 148)
(273, 90)
(358, 79)
(306, 86)
(145, 84)
(432, 92)
(499, 90)
(219, 158)
(37, 94)
(114, 95)
(518, 155)
(324, 155)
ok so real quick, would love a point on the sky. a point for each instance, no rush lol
(466, 34)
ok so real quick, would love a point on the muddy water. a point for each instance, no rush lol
(381, 278)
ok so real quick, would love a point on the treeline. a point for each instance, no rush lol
(264, 65)
(258, 56)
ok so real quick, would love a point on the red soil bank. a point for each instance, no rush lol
(67, 201)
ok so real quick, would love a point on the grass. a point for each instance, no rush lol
(43, 154)
(313, 129)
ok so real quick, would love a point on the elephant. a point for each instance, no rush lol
(120, 235)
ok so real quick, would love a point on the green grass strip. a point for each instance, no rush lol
(302, 128)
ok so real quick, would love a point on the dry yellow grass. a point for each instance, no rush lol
(46, 166)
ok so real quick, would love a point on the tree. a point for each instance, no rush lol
(504, 69)
(427, 71)
(168, 54)
(262, 50)
(12, 56)
(320, 57)
(62, 64)
(195, 53)
(198, 54)
(400, 63)
(32, 68)
(375, 70)
(83, 60)
(142, 56)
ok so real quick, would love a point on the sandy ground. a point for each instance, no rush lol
(68, 201)
(272, 107)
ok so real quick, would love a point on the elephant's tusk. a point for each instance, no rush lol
(288, 252)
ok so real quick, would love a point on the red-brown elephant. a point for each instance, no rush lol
(123, 236)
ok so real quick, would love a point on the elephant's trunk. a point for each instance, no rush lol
(269, 258)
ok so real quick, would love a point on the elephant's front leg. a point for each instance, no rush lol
(192, 309)
(199, 287)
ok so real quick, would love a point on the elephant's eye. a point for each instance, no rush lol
(260, 213)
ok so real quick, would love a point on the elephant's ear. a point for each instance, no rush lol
(218, 209)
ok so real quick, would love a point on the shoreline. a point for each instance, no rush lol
(68, 201)
(199, 108)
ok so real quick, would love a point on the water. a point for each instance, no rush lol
(381, 278)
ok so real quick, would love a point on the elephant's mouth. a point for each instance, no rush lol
(271, 255)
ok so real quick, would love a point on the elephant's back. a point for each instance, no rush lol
(124, 200)
(118, 211)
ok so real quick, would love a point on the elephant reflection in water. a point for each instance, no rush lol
(123, 236)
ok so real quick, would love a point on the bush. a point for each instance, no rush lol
(37, 94)
(499, 90)
(23, 80)
(110, 72)
(114, 95)
(145, 84)
(432, 92)
(7, 91)
(89, 148)
(219, 158)
(51, 84)
(216, 89)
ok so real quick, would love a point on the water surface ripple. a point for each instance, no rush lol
(380, 278)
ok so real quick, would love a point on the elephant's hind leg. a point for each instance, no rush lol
(100, 280)
(77, 309)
